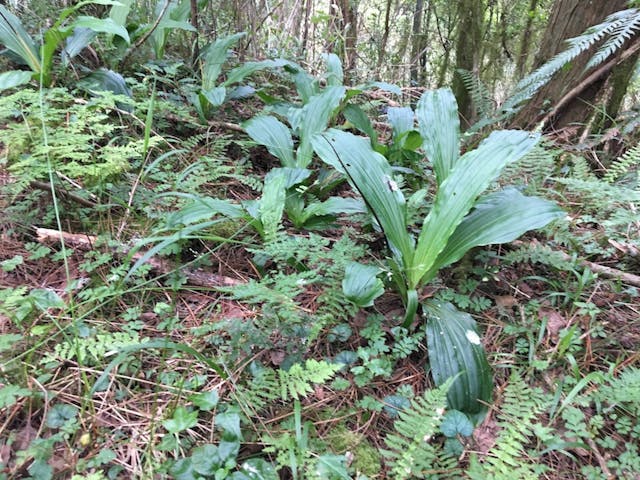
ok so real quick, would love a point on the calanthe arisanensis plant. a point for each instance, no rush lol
(460, 218)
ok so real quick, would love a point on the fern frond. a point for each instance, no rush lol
(615, 25)
(299, 379)
(622, 165)
(410, 452)
(508, 459)
(480, 95)
(535, 168)
(267, 385)
(622, 390)
(625, 24)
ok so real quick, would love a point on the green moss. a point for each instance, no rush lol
(366, 458)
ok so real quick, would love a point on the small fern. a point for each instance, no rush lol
(410, 452)
(623, 165)
(480, 94)
(508, 458)
(92, 350)
(535, 168)
(298, 381)
(543, 254)
(268, 385)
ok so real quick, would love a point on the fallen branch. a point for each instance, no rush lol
(46, 186)
(607, 272)
(197, 277)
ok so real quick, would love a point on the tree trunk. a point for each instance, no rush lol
(417, 41)
(344, 20)
(525, 40)
(568, 99)
(382, 49)
(194, 38)
(468, 42)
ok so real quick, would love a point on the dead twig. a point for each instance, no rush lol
(199, 277)
(607, 272)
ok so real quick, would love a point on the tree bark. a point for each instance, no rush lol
(417, 41)
(469, 38)
(525, 43)
(385, 34)
(570, 18)
(345, 21)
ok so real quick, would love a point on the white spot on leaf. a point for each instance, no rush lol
(472, 337)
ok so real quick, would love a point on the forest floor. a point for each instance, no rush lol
(547, 321)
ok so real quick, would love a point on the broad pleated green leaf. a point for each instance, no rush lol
(401, 121)
(356, 116)
(371, 174)
(387, 87)
(77, 42)
(361, 284)
(203, 208)
(119, 13)
(334, 75)
(439, 125)
(101, 25)
(103, 80)
(304, 215)
(314, 118)
(272, 203)
(215, 96)
(455, 350)
(457, 194)
(14, 78)
(15, 38)
(498, 218)
(248, 68)
(214, 56)
(274, 135)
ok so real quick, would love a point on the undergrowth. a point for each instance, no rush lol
(197, 333)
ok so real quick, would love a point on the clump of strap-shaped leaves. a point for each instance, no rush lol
(461, 218)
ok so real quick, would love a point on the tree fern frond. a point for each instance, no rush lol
(623, 165)
(623, 28)
(617, 24)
